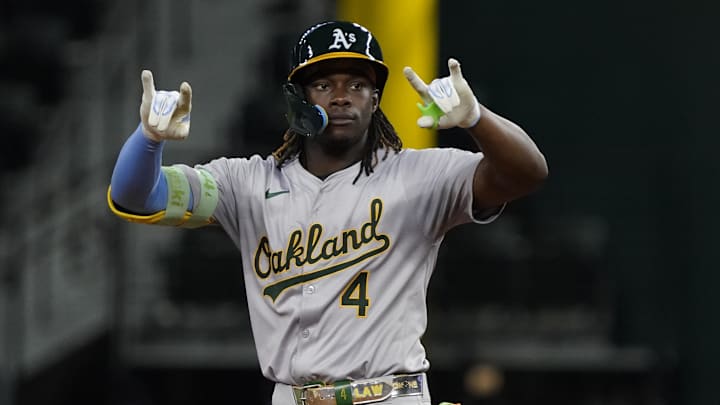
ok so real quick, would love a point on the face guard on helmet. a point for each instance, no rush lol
(325, 41)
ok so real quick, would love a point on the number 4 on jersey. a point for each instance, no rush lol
(355, 294)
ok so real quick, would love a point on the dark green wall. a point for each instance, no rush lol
(623, 99)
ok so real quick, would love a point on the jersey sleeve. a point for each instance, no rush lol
(235, 177)
(222, 170)
(440, 183)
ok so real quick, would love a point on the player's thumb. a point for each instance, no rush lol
(426, 121)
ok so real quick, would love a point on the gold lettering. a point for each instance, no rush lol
(262, 252)
(313, 237)
(376, 389)
(367, 231)
(276, 261)
(329, 248)
(354, 243)
(294, 250)
(309, 248)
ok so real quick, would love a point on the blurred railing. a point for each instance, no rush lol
(69, 270)
(56, 252)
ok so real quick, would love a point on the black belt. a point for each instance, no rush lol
(359, 391)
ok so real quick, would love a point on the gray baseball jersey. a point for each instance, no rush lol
(336, 273)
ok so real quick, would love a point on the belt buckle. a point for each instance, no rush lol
(303, 392)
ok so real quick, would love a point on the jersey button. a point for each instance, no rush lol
(306, 333)
(310, 289)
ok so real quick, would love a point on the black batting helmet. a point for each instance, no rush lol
(338, 39)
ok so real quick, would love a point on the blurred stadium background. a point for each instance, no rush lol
(599, 289)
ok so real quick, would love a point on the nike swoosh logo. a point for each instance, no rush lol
(269, 194)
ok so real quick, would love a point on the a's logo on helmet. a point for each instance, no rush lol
(342, 38)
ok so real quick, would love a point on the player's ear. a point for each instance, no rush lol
(375, 99)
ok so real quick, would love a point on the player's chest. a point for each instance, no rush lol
(330, 210)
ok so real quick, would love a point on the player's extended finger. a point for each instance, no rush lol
(185, 101)
(455, 71)
(148, 85)
(417, 83)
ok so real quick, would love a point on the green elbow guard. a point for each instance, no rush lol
(176, 213)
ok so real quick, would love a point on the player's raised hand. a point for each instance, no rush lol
(165, 114)
(449, 101)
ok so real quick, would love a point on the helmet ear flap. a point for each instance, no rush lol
(303, 118)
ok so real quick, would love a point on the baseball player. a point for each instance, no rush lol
(339, 228)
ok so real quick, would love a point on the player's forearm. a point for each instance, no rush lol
(517, 164)
(137, 182)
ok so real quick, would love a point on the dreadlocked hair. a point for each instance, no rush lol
(381, 134)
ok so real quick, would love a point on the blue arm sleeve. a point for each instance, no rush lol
(137, 183)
